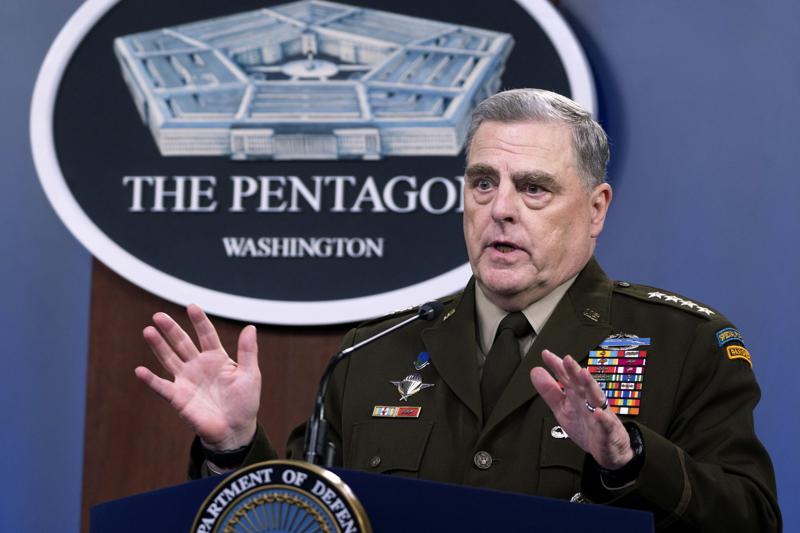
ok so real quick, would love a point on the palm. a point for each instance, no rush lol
(216, 396)
(213, 395)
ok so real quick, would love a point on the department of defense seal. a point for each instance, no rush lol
(282, 496)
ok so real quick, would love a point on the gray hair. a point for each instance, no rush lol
(589, 141)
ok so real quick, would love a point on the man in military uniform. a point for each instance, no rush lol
(652, 410)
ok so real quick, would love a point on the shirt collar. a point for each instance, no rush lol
(537, 313)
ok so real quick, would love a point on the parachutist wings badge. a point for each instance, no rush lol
(410, 385)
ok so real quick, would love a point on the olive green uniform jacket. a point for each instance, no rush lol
(704, 468)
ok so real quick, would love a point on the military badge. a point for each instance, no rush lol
(410, 385)
(739, 352)
(422, 360)
(624, 341)
(726, 335)
(394, 411)
(591, 314)
(618, 367)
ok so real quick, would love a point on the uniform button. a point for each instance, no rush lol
(483, 460)
(623, 284)
(375, 461)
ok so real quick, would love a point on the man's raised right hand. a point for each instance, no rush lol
(214, 394)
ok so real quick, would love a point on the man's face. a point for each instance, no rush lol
(529, 222)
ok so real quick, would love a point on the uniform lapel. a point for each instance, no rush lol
(580, 321)
(452, 346)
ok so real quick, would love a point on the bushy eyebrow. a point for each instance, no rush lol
(535, 177)
(478, 170)
(542, 179)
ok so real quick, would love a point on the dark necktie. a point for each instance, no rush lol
(503, 359)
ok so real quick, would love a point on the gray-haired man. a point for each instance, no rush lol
(652, 410)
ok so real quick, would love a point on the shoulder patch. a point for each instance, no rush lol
(726, 335)
(739, 352)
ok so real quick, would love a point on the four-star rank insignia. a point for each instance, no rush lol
(618, 367)
(682, 302)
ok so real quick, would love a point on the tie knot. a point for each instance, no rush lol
(517, 323)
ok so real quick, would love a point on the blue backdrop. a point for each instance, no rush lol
(700, 101)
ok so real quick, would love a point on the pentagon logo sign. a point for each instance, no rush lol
(311, 80)
(282, 162)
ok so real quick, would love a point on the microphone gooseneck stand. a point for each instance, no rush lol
(317, 450)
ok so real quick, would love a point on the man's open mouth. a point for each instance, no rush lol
(504, 247)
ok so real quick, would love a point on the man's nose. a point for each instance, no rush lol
(504, 204)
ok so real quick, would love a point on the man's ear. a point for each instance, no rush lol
(599, 200)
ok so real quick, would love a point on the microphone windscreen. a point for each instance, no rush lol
(430, 310)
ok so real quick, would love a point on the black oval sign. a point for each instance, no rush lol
(282, 162)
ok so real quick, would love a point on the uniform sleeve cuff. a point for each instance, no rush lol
(661, 480)
(261, 449)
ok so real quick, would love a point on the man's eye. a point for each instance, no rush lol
(532, 188)
(483, 184)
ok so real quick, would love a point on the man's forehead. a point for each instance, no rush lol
(500, 144)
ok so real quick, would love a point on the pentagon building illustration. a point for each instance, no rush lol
(311, 80)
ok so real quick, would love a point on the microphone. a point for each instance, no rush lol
(315, 449)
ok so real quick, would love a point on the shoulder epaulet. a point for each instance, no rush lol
(651, 294)
(406, 312)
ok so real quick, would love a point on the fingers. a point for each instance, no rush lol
(547, 387)
(162, 350)
(579, 385)
(206, 333)
(161, 386)
(586, 388)
(247, 349)
(178, 339)
(556, 366)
